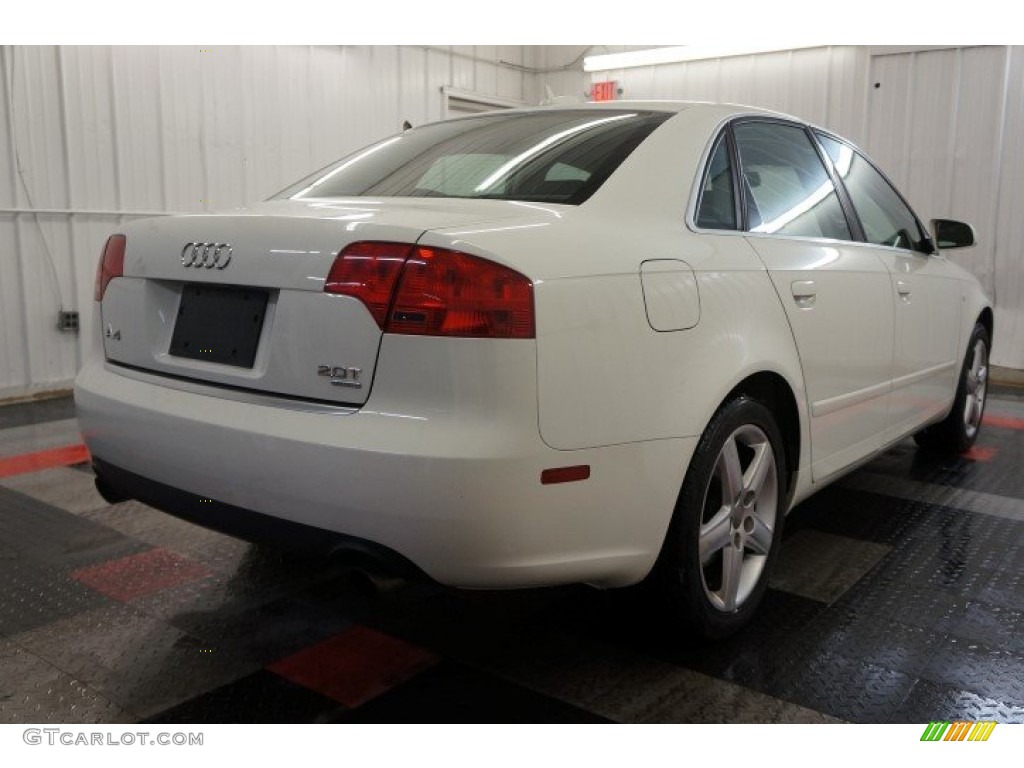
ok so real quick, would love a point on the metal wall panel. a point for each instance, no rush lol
(1008, 285)
(823, 85)
(415, 92)
(485, 75)
(940, 128)
(889, 116)
(847, 92)
(976, 118)
(462, 66)
(13, 346)
(560, 71)
(510, 82)
(39, 175)
(107, 131)
(438, 70)
(931, 104)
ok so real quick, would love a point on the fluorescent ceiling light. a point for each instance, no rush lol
(676, 53)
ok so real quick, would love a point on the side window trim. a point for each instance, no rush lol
(852, 217)
(739, 199)
(724, 136)
(925, 236)
(740, 178)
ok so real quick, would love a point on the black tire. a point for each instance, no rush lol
(696, 591)
(960, 428)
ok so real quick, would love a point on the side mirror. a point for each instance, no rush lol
(953, 234)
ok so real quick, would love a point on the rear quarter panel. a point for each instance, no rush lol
(604, 375)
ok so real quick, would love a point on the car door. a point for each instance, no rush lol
(836, 293)
(926, 293)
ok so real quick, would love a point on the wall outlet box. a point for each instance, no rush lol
(67, 321)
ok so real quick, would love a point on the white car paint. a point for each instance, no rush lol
(644, 325)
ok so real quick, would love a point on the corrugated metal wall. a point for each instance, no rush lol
(945, 125)
(103, 131)
(1008, 285)
(90, 134)
(825, 85)
(560, 72)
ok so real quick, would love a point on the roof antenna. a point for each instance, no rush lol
(552, 100)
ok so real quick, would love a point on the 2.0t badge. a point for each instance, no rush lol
(341, 376)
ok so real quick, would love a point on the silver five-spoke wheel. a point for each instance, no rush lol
(718, 553)
(959, 430)
(738, 519)
(977, 378)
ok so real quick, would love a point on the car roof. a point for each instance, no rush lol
(722, 110)
(661, 105)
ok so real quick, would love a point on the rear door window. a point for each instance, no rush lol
(885, 218)
(786, 186)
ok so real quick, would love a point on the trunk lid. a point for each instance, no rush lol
(245, 307)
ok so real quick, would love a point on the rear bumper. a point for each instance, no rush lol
(253, 526)
(456, 493)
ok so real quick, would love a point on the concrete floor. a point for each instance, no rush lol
(898, 598)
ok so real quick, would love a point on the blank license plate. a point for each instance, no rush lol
(219, 324)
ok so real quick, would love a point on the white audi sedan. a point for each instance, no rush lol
(601, 343)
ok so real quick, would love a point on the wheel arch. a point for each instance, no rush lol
(680, 570)
(986, 319)
(775, 392)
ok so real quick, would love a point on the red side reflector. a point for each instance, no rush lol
(111, 264)
(565, 474)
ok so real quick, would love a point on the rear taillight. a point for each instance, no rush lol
(428, 291)
(111, 264)
(368, 271)
(447, 293)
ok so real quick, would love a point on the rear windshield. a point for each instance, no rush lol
(561, 156)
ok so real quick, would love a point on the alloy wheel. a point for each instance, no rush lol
(738, 518)
(977, 380)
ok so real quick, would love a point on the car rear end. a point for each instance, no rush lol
(311, 365)
(265, 392)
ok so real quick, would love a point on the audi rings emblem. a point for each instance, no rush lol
(207, 255)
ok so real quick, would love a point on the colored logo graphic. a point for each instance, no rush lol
(959, 730)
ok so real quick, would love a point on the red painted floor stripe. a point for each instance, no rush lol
(1007, 422)
(355, 666)
(135, 576)
(33, 462)
(980, 453)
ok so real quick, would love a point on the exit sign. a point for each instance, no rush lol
(606, 91)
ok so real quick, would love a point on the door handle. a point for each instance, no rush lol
(903, 289)
(805, 292)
